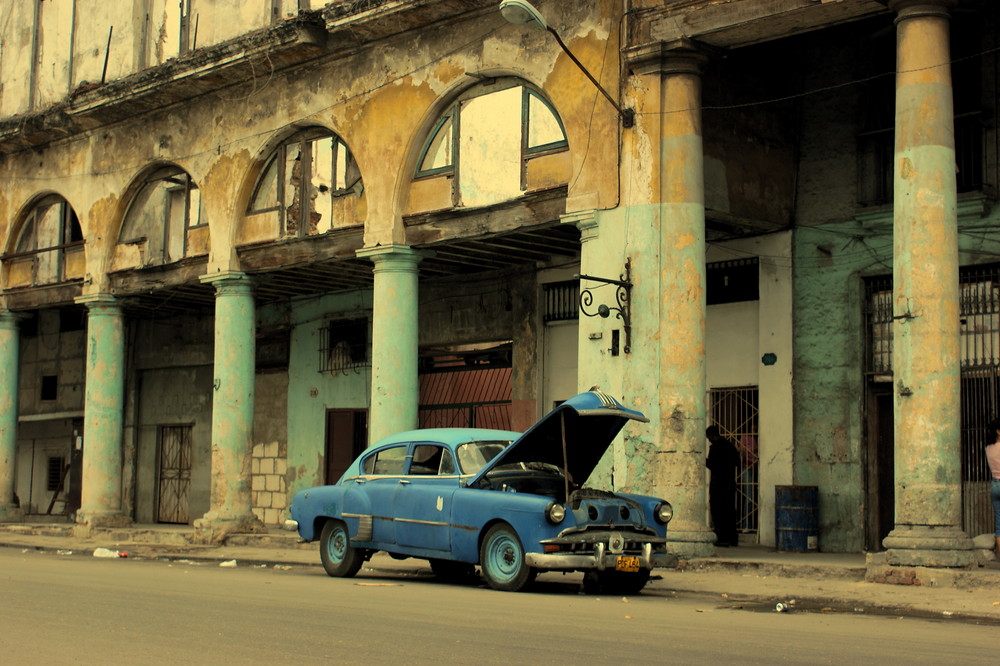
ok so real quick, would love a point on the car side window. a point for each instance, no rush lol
(426, 459)
(447, 464)
(386, 461)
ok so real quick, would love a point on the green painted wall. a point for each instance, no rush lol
(310, 392)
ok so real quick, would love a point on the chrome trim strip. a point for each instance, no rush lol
(414, 521)
(554, 561)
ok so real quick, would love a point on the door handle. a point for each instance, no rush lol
(404, 482)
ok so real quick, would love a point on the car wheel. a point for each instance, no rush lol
(502, 559)
(340, 558)
(454, 572)
(615, 582)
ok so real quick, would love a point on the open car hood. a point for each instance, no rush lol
(591, 420)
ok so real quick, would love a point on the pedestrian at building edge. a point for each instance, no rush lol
(724, 464)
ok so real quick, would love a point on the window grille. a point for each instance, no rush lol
(562, 301)
(344, 346)
(979, 312)
(878, 323)
(54, 472)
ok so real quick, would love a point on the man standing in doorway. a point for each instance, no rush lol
(724, 463)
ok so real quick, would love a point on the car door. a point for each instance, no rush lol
(423, 498)
(369, 497)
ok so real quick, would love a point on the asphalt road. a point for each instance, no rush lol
(86, 610)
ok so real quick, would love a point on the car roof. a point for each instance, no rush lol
(449, 436)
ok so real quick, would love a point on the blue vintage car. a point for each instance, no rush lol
(511, 503)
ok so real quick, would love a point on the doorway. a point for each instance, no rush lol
(346, 438)
(175, 474)
(880, 470)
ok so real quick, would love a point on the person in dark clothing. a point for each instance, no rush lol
(724, 463)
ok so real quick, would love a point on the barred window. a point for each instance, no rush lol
(344, 346)
(54, 472)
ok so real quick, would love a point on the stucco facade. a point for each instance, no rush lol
(284, 226)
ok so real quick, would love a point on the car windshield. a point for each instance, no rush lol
(472, 456)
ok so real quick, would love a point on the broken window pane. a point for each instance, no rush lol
(266, 196)
(292, 189)
(438, 154)
(322, 184)
(486, 138)
(160, 214)
(307, 171)
(490, 146)
(544, 130)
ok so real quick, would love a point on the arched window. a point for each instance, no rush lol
(163, 217)
(486, 139)
(303, 180)
(49, 247)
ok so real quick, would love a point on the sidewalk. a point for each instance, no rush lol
(748, 576)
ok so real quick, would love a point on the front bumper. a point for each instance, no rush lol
(600, 559)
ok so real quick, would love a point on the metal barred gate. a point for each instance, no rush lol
(734, 411)
(175, 474)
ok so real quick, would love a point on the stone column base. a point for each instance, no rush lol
(11, 513)
(693, 543)
(928, 546)
(214, 530)
(102, 519)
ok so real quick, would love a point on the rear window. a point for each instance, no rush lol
(386, 461)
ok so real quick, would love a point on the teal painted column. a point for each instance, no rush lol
(230, 497)
(670, 114)
(395, 388)
(104, 398)
(926, 355)
(9, 383)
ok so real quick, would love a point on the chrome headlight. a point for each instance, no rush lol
(555, 513)
(663, 512)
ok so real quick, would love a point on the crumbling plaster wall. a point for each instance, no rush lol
(380, 101)
(52, 352)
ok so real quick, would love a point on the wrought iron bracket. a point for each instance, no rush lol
(623, 297)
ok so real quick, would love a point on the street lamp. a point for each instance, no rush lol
(521, 12)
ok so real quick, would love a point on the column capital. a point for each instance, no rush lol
(228, 280)
(99, 302)
(682, 56)
(585, 221)
(906, 9)
(391, 257)
(9, 320)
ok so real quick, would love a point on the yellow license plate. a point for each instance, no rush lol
(627, 563)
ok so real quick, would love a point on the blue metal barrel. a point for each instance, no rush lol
(796, 518)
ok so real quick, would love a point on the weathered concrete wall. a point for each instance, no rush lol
(173, 396)
(52, 352)
(750, 150)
